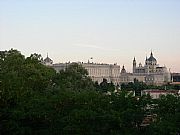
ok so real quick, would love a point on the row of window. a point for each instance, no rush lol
(154, 79)
(115, 81)
(95, 71)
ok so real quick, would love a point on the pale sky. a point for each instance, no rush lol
(110, 31)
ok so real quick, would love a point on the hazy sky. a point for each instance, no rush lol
(110, 31)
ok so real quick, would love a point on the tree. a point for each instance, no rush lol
(74, 77)
(10, 76)
(22, 80)
(168, 115)
(36, 75)
(34, 99)
(19, 75)
(104, 85)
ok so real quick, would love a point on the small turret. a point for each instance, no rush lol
(151, 53)
(48, 61)
(123, 71)
(140, 65)
(134, 65)
(146, 61)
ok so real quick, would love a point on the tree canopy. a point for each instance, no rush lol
(34, 99)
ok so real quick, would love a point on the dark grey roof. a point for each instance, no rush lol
(159, 67)
(47, 59)
(123, 70)
(151, 58)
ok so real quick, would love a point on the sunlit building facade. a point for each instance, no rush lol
(97, 71)
(151, 73)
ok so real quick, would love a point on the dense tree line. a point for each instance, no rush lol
(141, 85)
(34, 99)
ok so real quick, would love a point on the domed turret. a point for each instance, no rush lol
(123, 70)
(151, 58)
(146, 61)
(134, 65)
(48, 61)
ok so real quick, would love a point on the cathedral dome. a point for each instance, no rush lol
(151, 58)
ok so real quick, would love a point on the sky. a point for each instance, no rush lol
(110, 31)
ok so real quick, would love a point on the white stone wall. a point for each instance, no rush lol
(97, 71)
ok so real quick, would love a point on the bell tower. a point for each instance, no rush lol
(134, 65)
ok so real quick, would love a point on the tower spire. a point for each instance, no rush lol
(151, 53)
(134, 65)
(134, 59)
(123, 66)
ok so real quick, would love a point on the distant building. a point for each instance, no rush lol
(155, 94)
(126, 77)
(175, 78)
(151, 73)
(96, 71)
(48, 61)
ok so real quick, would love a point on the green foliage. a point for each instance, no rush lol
(105, 86)
(20, 75)
(75, 77)
(168, 115)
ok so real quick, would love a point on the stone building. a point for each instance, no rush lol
(175, 77)
(150, 73)
(126, 77)
(47, 61)
(96, 71)
(155, 94)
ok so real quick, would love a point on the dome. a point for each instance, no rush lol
(123, 70)
(151, 58)
(47, 60)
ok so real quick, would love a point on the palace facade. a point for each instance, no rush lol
(96, 71)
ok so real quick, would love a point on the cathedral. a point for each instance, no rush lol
(151, 73)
